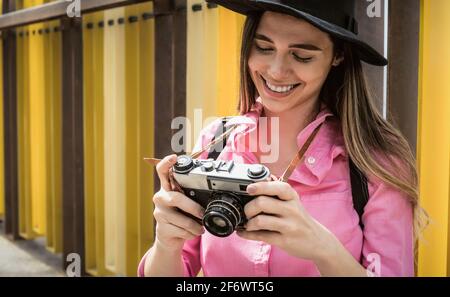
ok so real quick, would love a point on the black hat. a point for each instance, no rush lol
(336, 17)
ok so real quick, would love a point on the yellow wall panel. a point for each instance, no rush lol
(139, 99)
(230, 31)
(2, 164)
(198, 103)
(434, 135)
(146, 131)
(52, 58)
(94, 145)
(38, 135)
(23, 135)
(114, 141)
(213, 46)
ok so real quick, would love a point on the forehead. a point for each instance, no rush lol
(285, 28)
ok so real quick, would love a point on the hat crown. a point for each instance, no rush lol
(347, 6)
(338, 12)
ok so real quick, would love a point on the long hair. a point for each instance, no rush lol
(368, 137)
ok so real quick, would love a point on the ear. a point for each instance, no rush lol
(337, 60)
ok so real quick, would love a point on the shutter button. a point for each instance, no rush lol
(256, 171)
(208, 166)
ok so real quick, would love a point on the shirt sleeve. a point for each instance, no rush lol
(388, 247)
(191, 248)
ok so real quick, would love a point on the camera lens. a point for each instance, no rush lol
(223, 213)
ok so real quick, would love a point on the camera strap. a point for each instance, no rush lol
(358, 181)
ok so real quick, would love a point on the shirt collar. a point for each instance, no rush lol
(327, 145)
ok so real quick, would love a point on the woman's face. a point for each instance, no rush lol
(289, 61)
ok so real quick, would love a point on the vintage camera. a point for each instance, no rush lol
(221, 188)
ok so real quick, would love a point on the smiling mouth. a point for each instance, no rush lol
(279, 89)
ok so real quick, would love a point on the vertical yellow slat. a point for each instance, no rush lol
(114, 125)
(195, 77)
(132, 158)
(230, 32)
(52, 42)
(89, 147)
(213, 47)
(37, 130)
(139, 100)
(38, 137)
(98, 57)
(210, 60)
(146, 131)
(94, 145)
(434, 135)
(23, 131)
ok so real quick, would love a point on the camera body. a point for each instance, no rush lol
(221, 188)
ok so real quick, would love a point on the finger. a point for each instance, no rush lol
(180, 220)
(264, 204)
(184, 203)
(274, 188)
(265, 222)
(269, 237)
(174, 231)
(163, 171)
(173, 183)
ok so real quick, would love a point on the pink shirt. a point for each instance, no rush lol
(323, 185)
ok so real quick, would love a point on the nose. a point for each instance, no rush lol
(279, 69)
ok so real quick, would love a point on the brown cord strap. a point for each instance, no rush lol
(299, 156)
(287, 173)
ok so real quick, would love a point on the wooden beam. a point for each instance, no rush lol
(170, 62)
(371, 30)
(57, 9)
(10, 126)
(72, 140)
(404, 66)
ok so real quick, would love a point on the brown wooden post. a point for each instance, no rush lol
(10, 127)
(404, 33)
(371, 30)
(170, 74)
(72, 139)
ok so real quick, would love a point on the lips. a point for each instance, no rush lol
(281, 91)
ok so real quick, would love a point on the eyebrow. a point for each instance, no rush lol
(305, 46)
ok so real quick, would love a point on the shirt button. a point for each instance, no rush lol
(311, 160)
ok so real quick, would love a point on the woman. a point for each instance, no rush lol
(301, 64)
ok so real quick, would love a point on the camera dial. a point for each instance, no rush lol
(256, 171)
(184, 164)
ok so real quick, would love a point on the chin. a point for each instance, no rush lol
(275, 106)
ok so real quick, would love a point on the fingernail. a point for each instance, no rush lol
(173, 158)
(251, 189)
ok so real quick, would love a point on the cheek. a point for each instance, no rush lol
(313, 75)
(256, 63)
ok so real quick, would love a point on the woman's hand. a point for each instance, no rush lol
(285, 223)
(173, 227)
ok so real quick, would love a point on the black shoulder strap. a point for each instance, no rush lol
(360, 192)
(216, 149)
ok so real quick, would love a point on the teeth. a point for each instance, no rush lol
(279, 89)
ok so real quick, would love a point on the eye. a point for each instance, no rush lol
(300, 59)
(261, 49)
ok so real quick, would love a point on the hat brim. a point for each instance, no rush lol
(367, 53)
